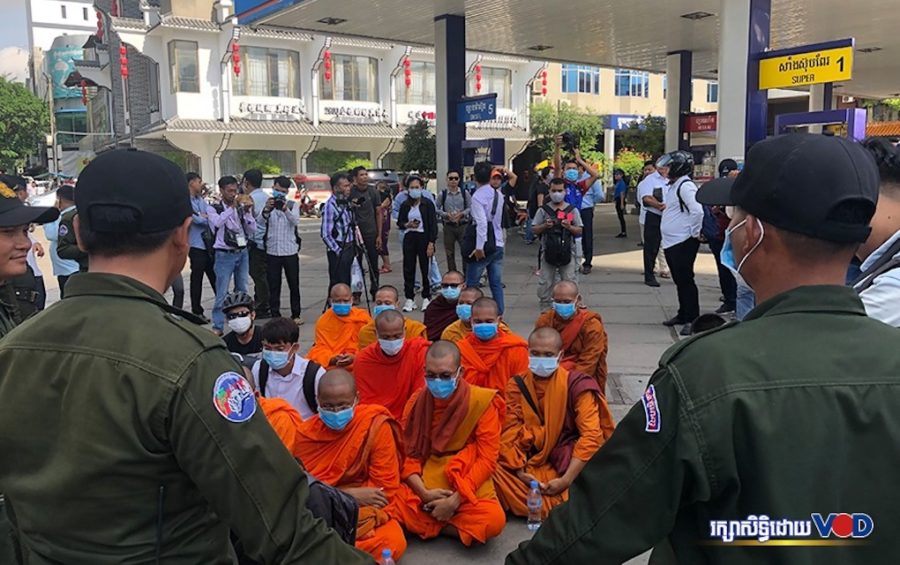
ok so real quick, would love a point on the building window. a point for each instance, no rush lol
(581, 79)
(632, 83)
(665, 86)
(62, 11)
(183, 66)
(84, 14)
(421, 90)
(494, 80)
(712, 92)
(269, 72)
(69, 125)
(153, 87)
(353, 78)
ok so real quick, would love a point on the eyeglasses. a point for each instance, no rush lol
(451, 285)
(236, 315)
(452, 178)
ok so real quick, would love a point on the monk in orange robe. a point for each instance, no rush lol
(337, 330)
(550, 434)
(355, 447)
(451, 433)
(585, 344)
(490, 356)
(284, 419)
(386, 298)
(390, 370)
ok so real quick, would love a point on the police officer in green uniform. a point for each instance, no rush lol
(67, 246)
(15, 218)
(129, 432)
(790, 415)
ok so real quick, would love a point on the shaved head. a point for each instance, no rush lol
(565, 287)
(442, 350)
(390, 324)
(340, 293)
(387, 294)
(470, 294)
(453, 277)
(337, 388)
(485, 306)
(545, 338)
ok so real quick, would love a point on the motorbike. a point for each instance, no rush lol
(309, 207)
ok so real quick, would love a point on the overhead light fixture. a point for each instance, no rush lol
(869, 49)
(332, 21)
(540, 47)
(696, 16)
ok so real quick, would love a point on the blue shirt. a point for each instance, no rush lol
(403, 197)
(61, 267)
(593, 196)
(336, 232)
(621, 189)
(199, 223)
(259, 202)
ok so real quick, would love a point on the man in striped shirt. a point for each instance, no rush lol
(337, 231)
(279, 219)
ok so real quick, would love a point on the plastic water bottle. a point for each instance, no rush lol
(535, 501)
(387, 557)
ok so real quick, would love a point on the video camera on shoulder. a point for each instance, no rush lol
(569, 141)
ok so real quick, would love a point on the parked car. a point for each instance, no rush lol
(390, 176)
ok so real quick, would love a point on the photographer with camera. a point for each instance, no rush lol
(279, 220)
(557, 223)
(576, 186)
(337, 231)
(251, 185)
(364, 203)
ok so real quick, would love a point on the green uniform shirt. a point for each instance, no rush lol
(8, 309)
(67, 246)
(792, 412)
(125, 433)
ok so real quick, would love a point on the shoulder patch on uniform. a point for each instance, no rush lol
(63, 230)
(233, 397)
(651, 410)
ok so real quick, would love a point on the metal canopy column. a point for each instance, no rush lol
(678, 97)
(450, 86)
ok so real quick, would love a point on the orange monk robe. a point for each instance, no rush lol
(464, 466)
(336, 335)
(391, 381)
(364, 454)
(527, 444)
(458, 330)
(284, 419)
(367, 335)
(585, 344)
(491, 363)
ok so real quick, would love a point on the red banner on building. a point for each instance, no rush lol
(696, 123)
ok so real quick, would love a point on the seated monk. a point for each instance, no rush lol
(451, 434)
(584, 339)
(463, 326)
(490, 356)
(337, 330)
(386, 298)
(441, 311)
(283, 417)
(550, 434)
(355, 447)
(390, 370)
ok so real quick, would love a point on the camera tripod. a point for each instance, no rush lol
(359, 252)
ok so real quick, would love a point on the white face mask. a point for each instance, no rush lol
(240, 325)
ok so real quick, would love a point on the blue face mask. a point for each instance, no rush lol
(415, 193)
(279, 194)
(564, 311)
(571, 175)
(442, 388)
(337, 421)
(451, 294)
(464, 312)
(391, 347)
(543, 366)
(379, 308)
(485, 332)
(341, 308)
(727, 254)
(276, 359)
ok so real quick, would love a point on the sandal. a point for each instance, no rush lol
(384, 270)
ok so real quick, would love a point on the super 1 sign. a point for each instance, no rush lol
(477, 108)
(813, 64)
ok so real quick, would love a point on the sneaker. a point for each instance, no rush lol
(651, 282)
(586, 269)
(725, 309)
(673, 322)
(205, 320)
(299, 321)
(621, 235)
(425, 303)
(686, 331)
(409, 306)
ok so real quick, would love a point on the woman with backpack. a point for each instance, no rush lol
(557, 223)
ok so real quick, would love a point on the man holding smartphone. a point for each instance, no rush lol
(557, 223)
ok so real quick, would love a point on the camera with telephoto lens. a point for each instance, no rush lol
(279, 203)
(569, 141)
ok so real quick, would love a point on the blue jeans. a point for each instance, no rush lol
(746, 301)
(494, 265)
(529, 231)
(228, 264)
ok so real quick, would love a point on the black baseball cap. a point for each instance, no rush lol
(14, 212)
(796, 181)
(131, 191)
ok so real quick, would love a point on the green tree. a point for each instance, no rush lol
(419, 149)
(24, 124)
(631, 162)
(261, 160)
(648, 137)
(548, 120)
(353, 162)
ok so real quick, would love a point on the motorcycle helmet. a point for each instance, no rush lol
(237, 298)
(680, 163)
(726, 166)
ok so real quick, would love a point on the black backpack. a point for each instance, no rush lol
(558, 241)
(309, 382)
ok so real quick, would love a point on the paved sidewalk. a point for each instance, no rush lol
(632, 314)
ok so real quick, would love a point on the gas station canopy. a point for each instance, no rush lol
(619, 33)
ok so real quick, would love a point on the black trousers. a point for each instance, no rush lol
(587, 235)
(681, 259)
(726, 280)
(290, 264)
(201, 263)
(620, 211)
(372, 263)
(260, 279)
(340, 266)
(415, 247)
(62, 280)
(652, 241)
